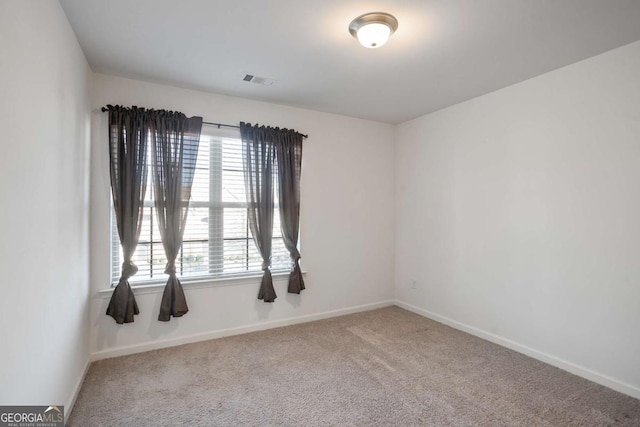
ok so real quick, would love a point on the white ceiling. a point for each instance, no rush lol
(444, 51)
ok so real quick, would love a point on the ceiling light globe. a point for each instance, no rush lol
(373, 35)
(373, 29)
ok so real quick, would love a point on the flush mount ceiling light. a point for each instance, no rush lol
(373, 29)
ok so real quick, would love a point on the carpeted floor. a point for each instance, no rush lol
(386, 367)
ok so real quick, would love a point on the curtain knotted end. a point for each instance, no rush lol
(170, 269)
(128, 269)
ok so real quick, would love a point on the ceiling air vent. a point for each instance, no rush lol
(258, 80)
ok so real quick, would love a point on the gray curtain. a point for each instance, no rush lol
(128, 154)
(175, 139)
(258, 153)
(289, 159)
(269, 152)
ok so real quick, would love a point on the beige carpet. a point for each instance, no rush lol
(386, 367)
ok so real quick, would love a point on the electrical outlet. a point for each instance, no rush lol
(414, 284)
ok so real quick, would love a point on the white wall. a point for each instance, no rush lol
(44, 291)
(518, 216)
(346, 220)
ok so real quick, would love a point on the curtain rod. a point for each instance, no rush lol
(104, 109)
(238, 127)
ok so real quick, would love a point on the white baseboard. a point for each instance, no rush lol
(204, 336)
(578, 370)
(68, 407)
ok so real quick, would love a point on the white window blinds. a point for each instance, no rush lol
(217, 241)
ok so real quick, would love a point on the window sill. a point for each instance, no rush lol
(142, 288)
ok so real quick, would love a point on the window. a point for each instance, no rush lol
(217, 241)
